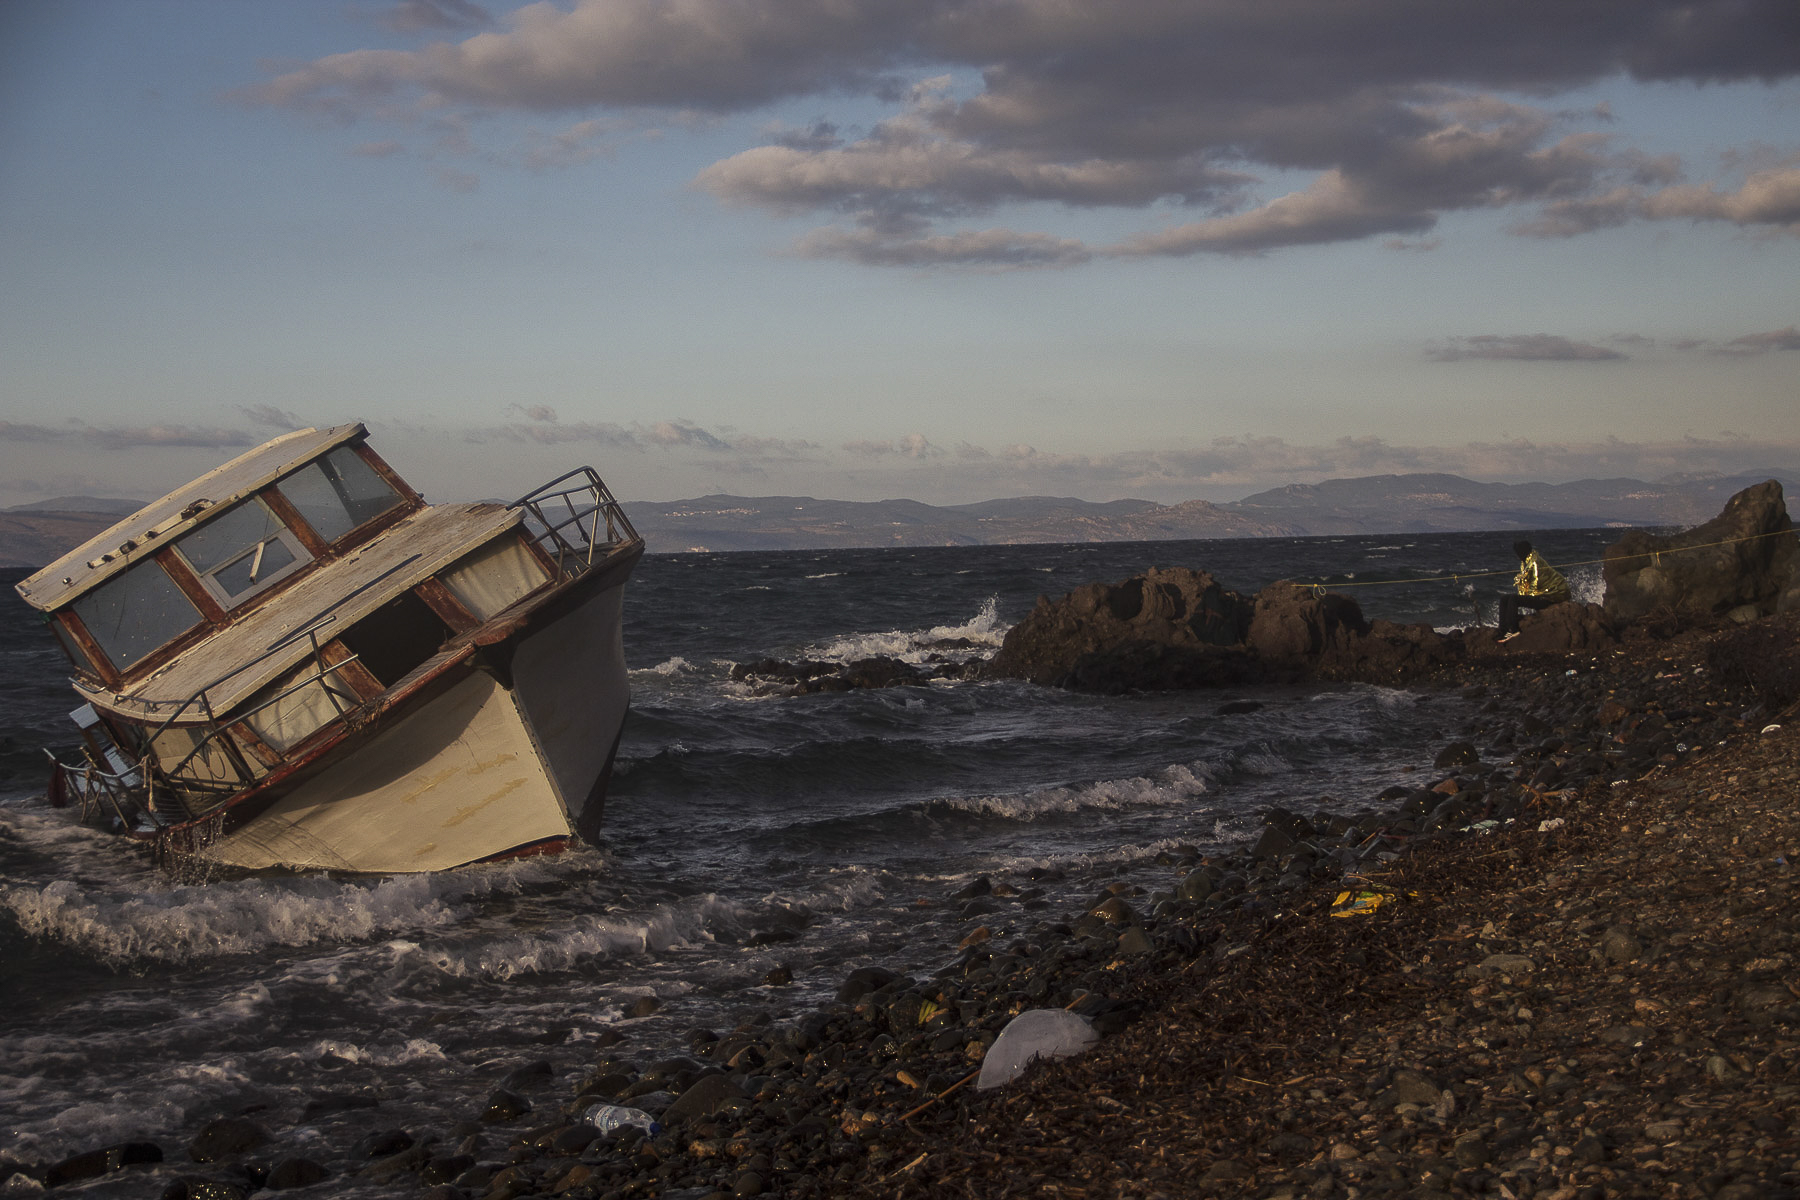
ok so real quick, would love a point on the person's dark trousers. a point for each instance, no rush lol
(1512, 602)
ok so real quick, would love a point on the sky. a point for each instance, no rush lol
(949, 250)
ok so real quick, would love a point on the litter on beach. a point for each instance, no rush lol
(1036, 1033)
(1363, 903)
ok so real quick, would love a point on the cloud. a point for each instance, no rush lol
(1529, 347)
(998, 249)
(383, 149)
(420, 16)
(913, 445)
(543, 427)
(460, 182)
(1762, 343)
(268, 414)
(1379, 118)
(1767, 199)
(716, 55)
(118, 437)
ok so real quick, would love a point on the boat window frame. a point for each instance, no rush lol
(291, 541)
(405, 499)
(80, 629)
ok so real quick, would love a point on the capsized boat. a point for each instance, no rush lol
(295, 662)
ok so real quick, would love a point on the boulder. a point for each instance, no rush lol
(1562, 629)
(1111, 629)
(1389, 649)
(1742, 559)
(1291, 621)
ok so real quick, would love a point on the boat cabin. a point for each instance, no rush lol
(275, 600)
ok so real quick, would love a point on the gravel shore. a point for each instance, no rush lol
(1579, 981)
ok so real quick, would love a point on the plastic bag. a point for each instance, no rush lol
(1037, 1033)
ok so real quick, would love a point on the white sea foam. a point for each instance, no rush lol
(1172, 785)
(235, 917)
(415, 1050)
(984, 629)
(617, 935)
(673, 666)
(1080, 861)
(1586, 584)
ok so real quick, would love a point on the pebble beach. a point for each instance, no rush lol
(1572, 975)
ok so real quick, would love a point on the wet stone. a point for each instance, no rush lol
(504, 1105)
(224, 1137)
(294, 1173)
(95, 1163)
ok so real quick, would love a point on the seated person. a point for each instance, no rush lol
(1538, 585)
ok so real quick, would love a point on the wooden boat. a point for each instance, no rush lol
(295, 662)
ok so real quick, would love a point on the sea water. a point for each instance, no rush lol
(742, 834)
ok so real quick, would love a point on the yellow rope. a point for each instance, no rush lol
(1320, 588)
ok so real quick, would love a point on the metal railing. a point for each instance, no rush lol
(198, 793)
(571, 520)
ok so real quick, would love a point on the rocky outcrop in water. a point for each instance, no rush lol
(1176, 628)
(1171, 627)
(1742, 563)
(777, 677)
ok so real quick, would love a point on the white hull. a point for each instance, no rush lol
(475, 773)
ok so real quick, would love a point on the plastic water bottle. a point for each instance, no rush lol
(608, 1117)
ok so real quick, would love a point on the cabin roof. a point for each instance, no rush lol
(238, 658)
(154, 526)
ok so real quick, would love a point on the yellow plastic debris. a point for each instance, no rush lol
(1362, 903)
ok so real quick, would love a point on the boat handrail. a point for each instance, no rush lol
(570, 535)
(177, 776)
(199, 697)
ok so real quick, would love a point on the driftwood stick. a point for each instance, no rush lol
(915, 1112)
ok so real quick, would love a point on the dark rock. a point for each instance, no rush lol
(382, 1143)
(1390, 649)
(1272, 841)
(204, 1189)
(333, 1102)
(1565, 628)
(294, 1173)
(779, 976)
(224, 1137)
(530, 1075)
(1171, 609)
(703, 1098)
(1619, 946)
(1409, 1087)
(96, 1163)
(504, 1106)
(643, 1006)
(1290, 622)
(1134, 941)
(1456, 754)
(864, 980)
(1744, 557)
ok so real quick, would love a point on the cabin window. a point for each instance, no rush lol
(338, 492)
(76, 654)
(241, 552)
(136, 612)
(298, 705)
(494, 576)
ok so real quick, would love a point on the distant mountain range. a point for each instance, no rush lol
(1371, 504)
(33, 534)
